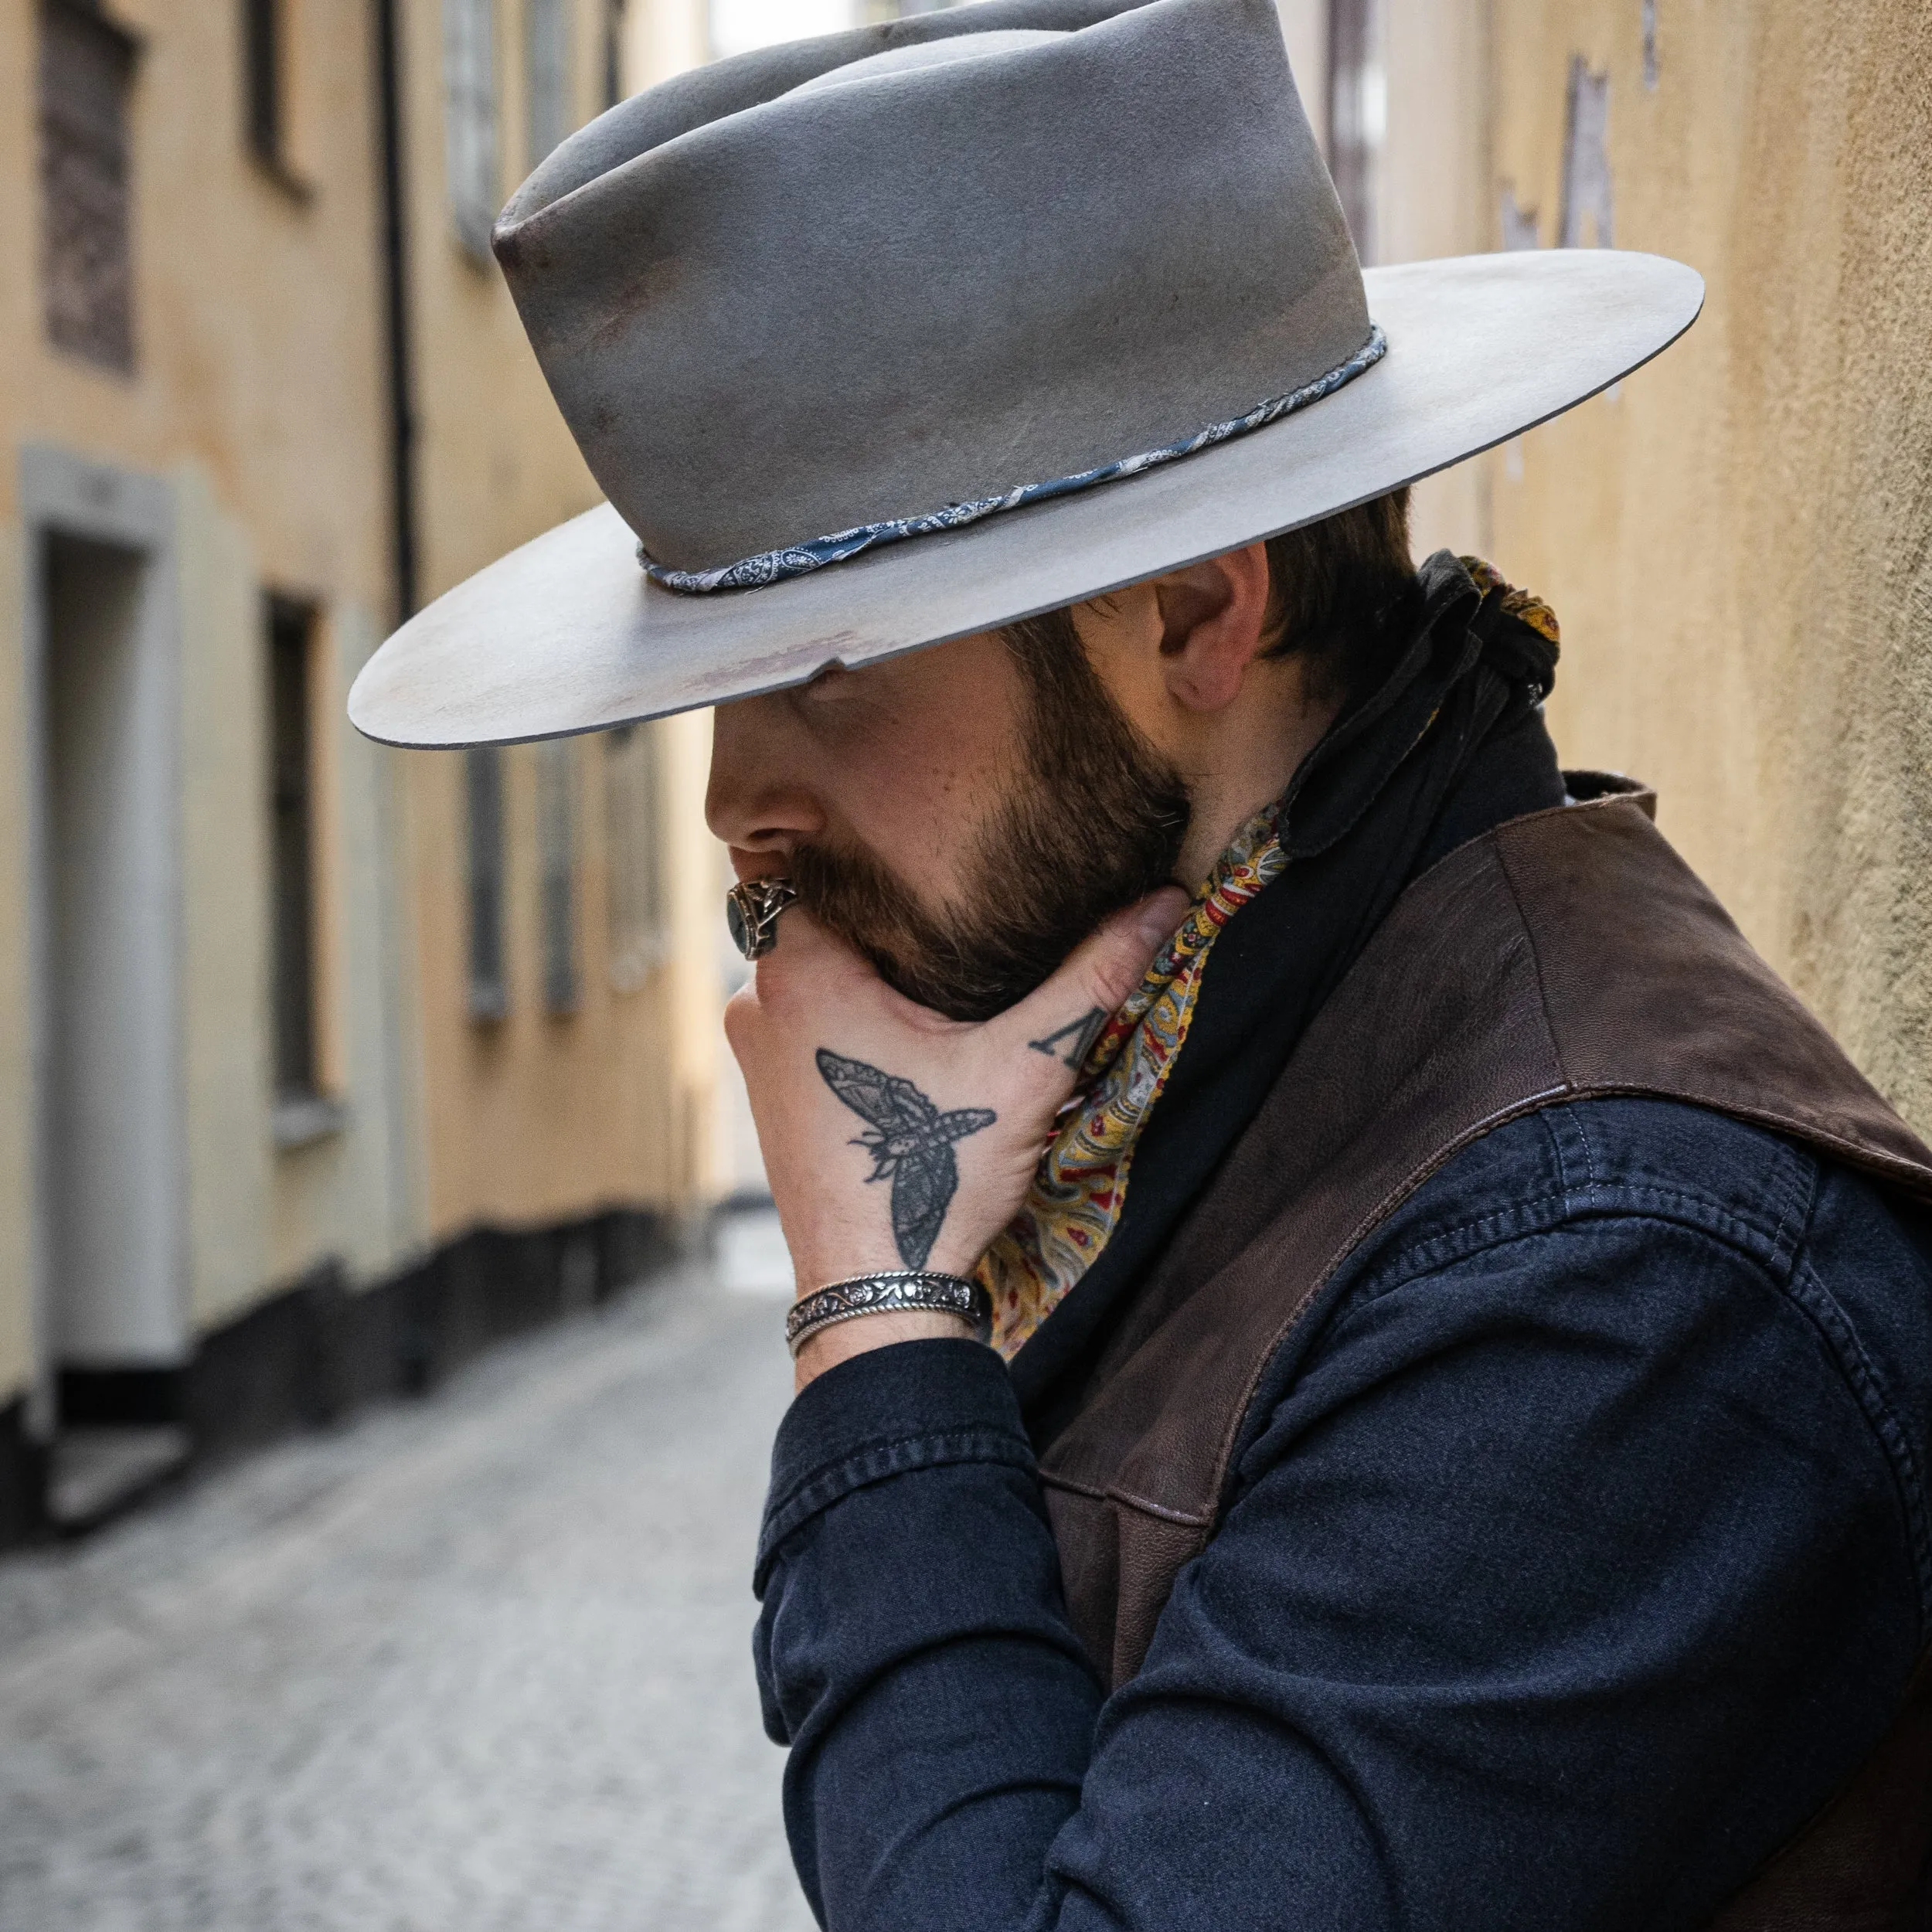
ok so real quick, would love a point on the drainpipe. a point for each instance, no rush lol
(402, 1100)
(401, 398)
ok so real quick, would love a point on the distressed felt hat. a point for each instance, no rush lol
(885, 338)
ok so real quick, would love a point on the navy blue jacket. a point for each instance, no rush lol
(1579, 1551)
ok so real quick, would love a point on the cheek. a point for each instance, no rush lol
(914, 790)
(919, 818)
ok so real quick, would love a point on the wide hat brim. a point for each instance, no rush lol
(566, 635)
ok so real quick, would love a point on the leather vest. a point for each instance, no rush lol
(1563, 955)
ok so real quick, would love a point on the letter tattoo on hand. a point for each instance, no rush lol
(1083, 1032)
(912, 1143)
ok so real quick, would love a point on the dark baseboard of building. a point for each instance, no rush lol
(318, 1349)
(23, 1478)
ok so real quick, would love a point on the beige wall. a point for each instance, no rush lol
(257, 402)
(664, 37)
(257, 413)
(536, 1117)
(1739, 541)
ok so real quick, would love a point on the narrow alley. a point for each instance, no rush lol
(477, 1664)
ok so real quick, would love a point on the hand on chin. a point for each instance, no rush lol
(895, 1139)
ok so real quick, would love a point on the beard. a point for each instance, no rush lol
(1094, 821)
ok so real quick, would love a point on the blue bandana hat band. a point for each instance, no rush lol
(797, 560)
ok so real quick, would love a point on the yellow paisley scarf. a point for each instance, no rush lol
(1081, 1185)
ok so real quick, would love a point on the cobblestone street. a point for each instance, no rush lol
(477, 1664)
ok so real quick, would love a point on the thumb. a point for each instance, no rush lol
(1099, 973)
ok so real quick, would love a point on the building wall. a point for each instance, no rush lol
(254, 434)
(255, 410)
(1738, 539)
(532, 1115)
(664, 38)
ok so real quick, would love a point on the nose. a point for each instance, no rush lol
(759, 799)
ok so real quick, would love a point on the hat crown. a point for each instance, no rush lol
(782, 297)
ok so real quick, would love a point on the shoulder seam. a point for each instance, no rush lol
(1529, 1220)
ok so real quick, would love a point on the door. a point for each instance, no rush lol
(112, 1320)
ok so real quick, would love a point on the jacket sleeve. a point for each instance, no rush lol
(1565, 1580)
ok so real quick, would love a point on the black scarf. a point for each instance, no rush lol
(1447, 743)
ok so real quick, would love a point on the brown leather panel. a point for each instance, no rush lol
(1432, 1028)
(1119, 1581)
(1087, 1530)
(1568, 954)
(1698, 1016)
(1865, 1864)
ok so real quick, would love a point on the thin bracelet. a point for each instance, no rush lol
(892, 1292)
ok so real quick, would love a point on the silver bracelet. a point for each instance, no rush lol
(890, 1293)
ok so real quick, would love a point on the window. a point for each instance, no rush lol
(86, 67)
(612, 51)
(1358, 114)
(262, 76)
(548, 22)
(1586, 183)
(469, 111)
(634, 841)
(290, 628)
(489, 982)
(556, 852)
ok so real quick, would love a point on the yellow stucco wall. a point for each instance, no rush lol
(1740, 543)
(535, 1116)
(257, 400)
(259, 407)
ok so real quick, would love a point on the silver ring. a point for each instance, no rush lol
(751, 911)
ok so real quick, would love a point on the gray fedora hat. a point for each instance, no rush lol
(891, 336)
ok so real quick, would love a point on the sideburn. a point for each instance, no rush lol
(1095, 821)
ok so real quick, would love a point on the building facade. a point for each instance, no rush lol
(320, 1063)
(1737, 540)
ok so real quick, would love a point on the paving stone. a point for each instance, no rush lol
(478, 1663)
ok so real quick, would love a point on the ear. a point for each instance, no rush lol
(1213, 624)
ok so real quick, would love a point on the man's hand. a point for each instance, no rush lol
(895, 1139)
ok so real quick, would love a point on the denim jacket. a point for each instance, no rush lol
(1578, 1551)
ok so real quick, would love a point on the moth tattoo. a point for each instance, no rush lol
(911, 1144)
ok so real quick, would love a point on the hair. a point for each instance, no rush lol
(1098, 817)
(1337, 590)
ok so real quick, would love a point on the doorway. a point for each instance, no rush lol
(112, 1324)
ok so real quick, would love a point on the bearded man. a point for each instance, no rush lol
(1452, 1449)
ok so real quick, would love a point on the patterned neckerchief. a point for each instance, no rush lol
(1081, 1185)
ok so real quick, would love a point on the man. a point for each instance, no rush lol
(1453, 1447)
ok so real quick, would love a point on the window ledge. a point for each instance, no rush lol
(300, 1120)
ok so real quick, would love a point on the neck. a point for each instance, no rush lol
(1249, 753)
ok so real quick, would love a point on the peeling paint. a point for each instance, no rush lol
(1586, 182)
(1519, 225)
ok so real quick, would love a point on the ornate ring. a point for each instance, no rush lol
(751, 911)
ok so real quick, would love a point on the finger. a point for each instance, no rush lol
(806, 954)
(1061, 1018)
(811, 963)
